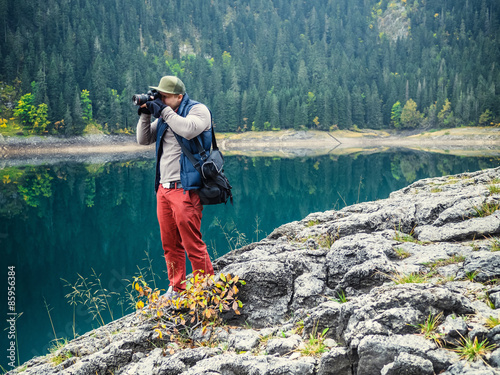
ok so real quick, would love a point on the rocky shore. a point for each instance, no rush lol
(430, 250)
(284, 143)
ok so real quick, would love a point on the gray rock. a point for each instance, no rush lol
(375, 352)
(478, 331)
(495, 358)
(252, 365)
(454, 329)
(408, 364)
(283, 346)
(269, 290)
(244, 340)
(495, 298)
(471, 368)
(494, 335)
(469, 229)
(337, 361)
(484, 265)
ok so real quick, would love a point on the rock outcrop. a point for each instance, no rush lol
(362, 281)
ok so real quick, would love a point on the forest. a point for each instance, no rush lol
(68, 65)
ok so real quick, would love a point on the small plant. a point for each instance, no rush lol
(315, 344)
(402, 253)
(486, 209)
(494, 189)
(403, 237)
(492, 322)
(90, 294)
(495, 244)
(299, 327)
(203, 304)
(428, 328)
(326, 240)
(471, 275)
(312, 223)
(411, 278)
(62, 356)
(473, 350)
(454, 259)
(341, 298)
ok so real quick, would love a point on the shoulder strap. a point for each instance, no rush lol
(200, 148)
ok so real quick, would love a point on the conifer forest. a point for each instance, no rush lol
(258, 65)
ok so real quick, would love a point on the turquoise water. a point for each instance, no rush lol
(61, 223)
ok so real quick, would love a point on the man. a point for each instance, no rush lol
(178, 205)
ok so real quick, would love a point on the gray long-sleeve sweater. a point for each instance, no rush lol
(196, 122)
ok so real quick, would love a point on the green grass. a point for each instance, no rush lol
(494, 189)
(473, 350)
(444, 262)
(495, 244)
(403, 237)
(402, 253)
(471, 275)
(428, 328)
(410, 278)
(61, 357)
(486, 209)
(312, 223)
(341, 297)
(492, 322)
(315, 346)
(9, 128)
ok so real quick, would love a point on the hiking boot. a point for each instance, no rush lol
(170, 294)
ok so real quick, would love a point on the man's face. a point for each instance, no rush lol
(172, 100)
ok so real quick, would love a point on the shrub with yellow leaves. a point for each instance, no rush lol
(208, 301)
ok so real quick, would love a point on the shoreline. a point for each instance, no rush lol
(285, 143)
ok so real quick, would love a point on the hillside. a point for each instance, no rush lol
(318, 64)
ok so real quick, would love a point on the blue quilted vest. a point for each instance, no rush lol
(190, 177)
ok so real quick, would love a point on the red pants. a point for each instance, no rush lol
(179, 215)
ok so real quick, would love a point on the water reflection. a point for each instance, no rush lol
(64, 220)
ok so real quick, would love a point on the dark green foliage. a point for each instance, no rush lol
(255, 63)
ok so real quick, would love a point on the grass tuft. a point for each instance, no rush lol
(473, 350)
(428, 328)
(315, 345)
(486, 209)
(411, 278)
(492, 322)
(402, 253)
(494, 189)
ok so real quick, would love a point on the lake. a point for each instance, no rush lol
(91, 227)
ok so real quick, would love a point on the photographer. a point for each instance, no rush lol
(178, 205)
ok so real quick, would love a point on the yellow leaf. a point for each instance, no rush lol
(237, 312)
(140, 305)
(208, 314)
(222, 277)
(235, 289)
(136, 286)
(160, 335)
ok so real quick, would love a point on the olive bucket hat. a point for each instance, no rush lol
(170, 85)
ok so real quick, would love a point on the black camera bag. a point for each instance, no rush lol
(216, 187)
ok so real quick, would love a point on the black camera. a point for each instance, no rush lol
(140, 99)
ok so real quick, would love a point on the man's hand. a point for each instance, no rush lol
(155, 107)
(143, 109)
